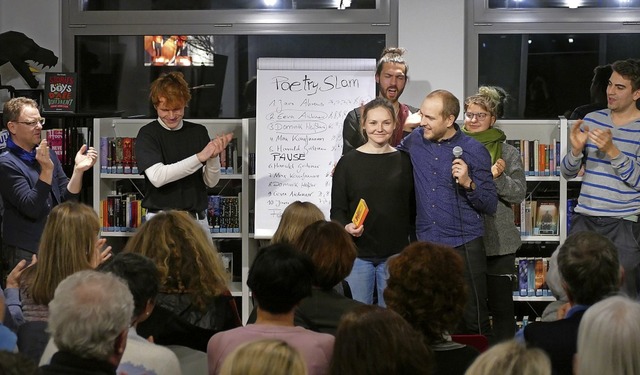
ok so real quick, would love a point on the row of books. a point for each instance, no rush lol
(531, 280)
(124, 213)
(538, 159)
(66, 142)
(118, 156)
(537, 217)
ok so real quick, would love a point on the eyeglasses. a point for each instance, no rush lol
(480, 116)
(40, 121)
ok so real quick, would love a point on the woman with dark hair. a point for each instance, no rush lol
(426, 286)
(332, 252)
(372, 340)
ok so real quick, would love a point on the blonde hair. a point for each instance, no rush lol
(511, 358)
(490, 98)
(187, 262)
(264, 357)
(295, 218)
(67, 245)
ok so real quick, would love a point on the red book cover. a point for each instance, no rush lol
(127, 154)
(55, 141)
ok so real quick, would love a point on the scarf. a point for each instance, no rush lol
(28, 157)
(492, 139)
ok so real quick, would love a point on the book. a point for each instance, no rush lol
(361, 213)
(60, 91)
(547, 218)
(523, 274)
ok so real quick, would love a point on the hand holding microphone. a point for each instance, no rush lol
(460, 170)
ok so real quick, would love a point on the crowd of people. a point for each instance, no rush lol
(431, 264)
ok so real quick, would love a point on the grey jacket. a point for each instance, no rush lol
(501, 236)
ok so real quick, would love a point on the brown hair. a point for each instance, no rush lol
(297, 216)
(331, 250)
(186, 260)
(13, 108)
(171, 86)
(450, 104)
(67, 245)
(426, 287)
(392, 55)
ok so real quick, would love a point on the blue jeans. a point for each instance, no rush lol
(365, 276)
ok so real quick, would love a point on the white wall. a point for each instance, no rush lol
(432, 31)
(40, 21)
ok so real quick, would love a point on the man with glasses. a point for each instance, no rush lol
(33, 181)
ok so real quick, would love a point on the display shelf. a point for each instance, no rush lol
(534, 299)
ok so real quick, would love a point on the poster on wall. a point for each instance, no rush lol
(301, 108)
(60, 92)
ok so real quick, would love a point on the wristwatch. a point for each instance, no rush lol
(472, 186)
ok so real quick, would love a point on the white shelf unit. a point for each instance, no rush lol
(546, 131)
(244, 131)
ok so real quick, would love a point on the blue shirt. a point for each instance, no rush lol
(446, 212)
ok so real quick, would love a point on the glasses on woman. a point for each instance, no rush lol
(480, 115)
(33, 123)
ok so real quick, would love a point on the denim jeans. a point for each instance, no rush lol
(365, 276)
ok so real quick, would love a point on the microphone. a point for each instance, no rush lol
(457, 154)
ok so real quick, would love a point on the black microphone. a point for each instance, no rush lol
(457, 154)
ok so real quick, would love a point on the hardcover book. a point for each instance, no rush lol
(547, 218)
(60, 91)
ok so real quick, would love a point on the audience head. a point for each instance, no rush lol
(67, 245)
(141, 275)
(170, 90)
(13, 363)
(187, 262)
(372, 340)
(589, 266)
(629, 69)
(511, 358)
(264, 357)
(279, 278)
(599, 83)
(90, 314)
(331, 250)
(294, 219)
(391, 73)
(609, 338)
(426, 287)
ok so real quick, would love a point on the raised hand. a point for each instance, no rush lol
(603, 139)
(13, 279)
(578, 137)
(85, 158)
(214, 147)
(498, 168)
(43, 156)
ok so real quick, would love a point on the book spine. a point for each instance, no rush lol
(523, 283)
(531, 277)
(127, 150)
(119, 156)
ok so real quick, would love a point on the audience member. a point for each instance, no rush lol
(597, 92)
(555, 310)
(391, 78)
(452, 197)
(8, 339)
(511, 358)
(372, 340)
(194, 301)
(606, 142)
(590, 270)
(264, 357)
(297, 216)
(90, 315)
(14, 363)
(332, 252)
(391, 200)
(140, 356)
(177, 158)
(69, 244)
(501, 238)
(279, 278)
(609, 338)
(427, 287)
(33, 181)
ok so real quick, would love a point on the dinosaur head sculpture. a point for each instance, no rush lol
(16, 48)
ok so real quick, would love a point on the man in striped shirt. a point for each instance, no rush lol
(609, 201)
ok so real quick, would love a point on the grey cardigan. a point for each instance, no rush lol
(501, 237)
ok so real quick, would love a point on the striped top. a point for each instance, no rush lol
(610, 187)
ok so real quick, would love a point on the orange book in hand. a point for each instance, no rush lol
(361, 213)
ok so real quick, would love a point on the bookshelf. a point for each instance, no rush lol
(544, 187)
(238, 183)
